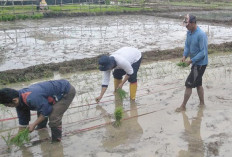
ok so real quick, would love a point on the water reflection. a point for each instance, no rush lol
(192, 135)
(129, 131)
(49, 149)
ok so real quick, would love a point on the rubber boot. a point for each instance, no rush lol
(42, 124)
(116, 83)
(56, 134)
(133, 89)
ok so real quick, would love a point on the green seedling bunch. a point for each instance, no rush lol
(118, 114)
(21, 137)
(182, 64)
(122, 94)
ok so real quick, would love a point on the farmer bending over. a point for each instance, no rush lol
(50, 99)
(125, 61)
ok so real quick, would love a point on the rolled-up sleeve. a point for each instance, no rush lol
(106, 78)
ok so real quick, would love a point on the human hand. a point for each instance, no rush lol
(188, 62)
(97, 99)
(31, 127)
(183, 59)
(120, 85)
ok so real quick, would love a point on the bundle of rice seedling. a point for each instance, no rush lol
(182, 64)
(122, 94)
(118, 114)
(21, 137)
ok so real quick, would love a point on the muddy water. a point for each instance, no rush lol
(27, 43)
(150, 126)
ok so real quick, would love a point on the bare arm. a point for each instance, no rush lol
(38, 120)
(123, 81)
(103, 90)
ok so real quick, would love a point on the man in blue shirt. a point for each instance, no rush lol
(50, 99)
(196, 47)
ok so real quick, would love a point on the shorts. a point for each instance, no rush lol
(195, 77)
(118, 73)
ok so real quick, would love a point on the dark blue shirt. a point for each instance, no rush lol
(40, 97)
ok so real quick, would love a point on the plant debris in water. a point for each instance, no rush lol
(21, 137)
(122, 94)
(118, 114)
(182, 64)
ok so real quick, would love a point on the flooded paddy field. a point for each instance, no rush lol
(150, 127)
(55, 40)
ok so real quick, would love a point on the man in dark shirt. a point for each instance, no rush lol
(50, 99)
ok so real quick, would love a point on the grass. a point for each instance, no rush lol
(11, 13)
(122, 94)
(203, 4)
(11, 17)
(182, 64)
(118, 114)
(21, 138)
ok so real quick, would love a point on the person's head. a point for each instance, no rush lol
(106, 63)
(190, 22)
(9, 97)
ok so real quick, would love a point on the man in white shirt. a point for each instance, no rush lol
(125, 61)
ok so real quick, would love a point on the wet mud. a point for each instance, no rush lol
(150, 125)
(47, 70)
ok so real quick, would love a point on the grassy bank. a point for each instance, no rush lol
(10, 13)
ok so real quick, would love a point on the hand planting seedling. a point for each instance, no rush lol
(21, 137)
(122, 94)
(118, 114)
(182, 64)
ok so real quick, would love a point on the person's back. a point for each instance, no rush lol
(129, 53)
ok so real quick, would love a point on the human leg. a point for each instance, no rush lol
(200, 92)
(133, 79)
(118, 73)
(187, 94)
(55, 118)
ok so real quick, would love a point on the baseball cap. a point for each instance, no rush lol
(106, 63)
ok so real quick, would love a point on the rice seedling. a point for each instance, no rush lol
(122, 94)
(182, 64)
(118, 114)
(7, 140)
(20, 138)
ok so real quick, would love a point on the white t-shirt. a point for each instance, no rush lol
(124, 58)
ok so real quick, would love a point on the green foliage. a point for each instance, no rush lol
(20, 138)
(107, 2)
(10, 17)
(182, 64)
(7, 140)
(122, 94)
(118, 114)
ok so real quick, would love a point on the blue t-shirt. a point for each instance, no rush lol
(40, 97)
(196, 47)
